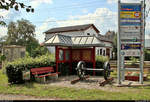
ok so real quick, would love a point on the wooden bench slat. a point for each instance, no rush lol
(43, 70)
(51, 74)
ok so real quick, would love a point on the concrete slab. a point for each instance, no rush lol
(127, 83)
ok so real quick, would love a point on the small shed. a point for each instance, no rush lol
(74, 49)
(13, 52)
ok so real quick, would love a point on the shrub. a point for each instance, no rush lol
(102, 59)
(147, 55)
(14, 69)
(134, 60)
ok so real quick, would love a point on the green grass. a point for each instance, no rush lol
(45, 90)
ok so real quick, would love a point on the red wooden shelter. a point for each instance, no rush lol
(74, 49)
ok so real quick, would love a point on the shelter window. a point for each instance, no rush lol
(61, 55)
(67, 55)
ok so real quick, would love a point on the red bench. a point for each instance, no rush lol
(42, 72)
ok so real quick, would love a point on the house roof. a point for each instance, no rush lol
(104, 38)
(71, 28)
(78, 41)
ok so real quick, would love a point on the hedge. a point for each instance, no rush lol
(14, 69)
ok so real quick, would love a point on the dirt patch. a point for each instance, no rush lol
(90, 83)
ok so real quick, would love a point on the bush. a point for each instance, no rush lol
(134, 60)
(14, 69)
(102, 59)
(147, 55)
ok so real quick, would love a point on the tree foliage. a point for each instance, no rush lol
(20, 32)
(8, 4)
(115, 45)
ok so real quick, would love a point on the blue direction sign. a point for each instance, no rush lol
(130, 46)
(130, 23)
(127, 7)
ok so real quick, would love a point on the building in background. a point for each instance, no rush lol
(13, 52)
(108, 40)
(147, 44)
(82, 30)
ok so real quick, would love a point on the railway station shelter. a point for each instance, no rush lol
(74, 49)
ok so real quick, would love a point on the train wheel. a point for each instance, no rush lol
(106, 70)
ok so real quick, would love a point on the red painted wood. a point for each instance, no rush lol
(41, 70)
(94, 62)
(134, 78)
(70, 63)
(56, 57)
(71, 60)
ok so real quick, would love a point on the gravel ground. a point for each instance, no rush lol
(90, 83)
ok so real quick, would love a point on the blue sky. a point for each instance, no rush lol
(58, 13)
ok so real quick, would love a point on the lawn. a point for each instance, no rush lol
(48, 91)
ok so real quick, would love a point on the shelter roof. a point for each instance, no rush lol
(79, 41)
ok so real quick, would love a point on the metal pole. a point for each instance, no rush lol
(118, 46)
(142, 43)
(144, 28)
(122, 67)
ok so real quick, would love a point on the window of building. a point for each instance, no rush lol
(88, 33)
(100, 51)
(67, 55)
(22, 54)
(103, 52)
(61, 55)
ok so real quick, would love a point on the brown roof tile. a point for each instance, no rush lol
(71, 28)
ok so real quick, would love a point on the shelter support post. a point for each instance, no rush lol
(70, 62)
(56, 57)
(94, 62)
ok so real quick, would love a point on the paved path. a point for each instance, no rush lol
(22, 97)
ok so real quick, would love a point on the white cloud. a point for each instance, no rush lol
(111, 1)
(4, 13)
(147, 36)
(85, 11)
(103, 18)
(35, 3)
(126, 1)
(3, 31)
(45, 26)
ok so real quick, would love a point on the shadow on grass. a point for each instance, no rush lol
(27, 84)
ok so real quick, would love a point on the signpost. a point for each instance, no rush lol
(130, 36)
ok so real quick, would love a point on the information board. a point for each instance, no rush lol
(130, 36)
(130, 21)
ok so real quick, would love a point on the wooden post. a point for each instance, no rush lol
(70, 62)
(94, 62)
(56, 57)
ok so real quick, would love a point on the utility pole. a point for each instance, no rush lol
(144, 27)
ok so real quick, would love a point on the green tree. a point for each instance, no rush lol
(20, 32)
(115, 45)
(7, 4)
